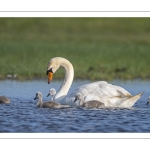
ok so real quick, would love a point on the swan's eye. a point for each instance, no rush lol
(50, 70)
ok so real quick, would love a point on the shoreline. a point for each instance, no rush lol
(75, 79)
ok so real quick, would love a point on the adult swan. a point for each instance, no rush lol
(110, 95)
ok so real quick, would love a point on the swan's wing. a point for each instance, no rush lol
(100, 89)
(83, 89)
(97, 90)
(87, 88)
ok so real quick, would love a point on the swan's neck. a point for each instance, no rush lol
(81, 103)
(52, 99)
(69, 74)
(39, 103)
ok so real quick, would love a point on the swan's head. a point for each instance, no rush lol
(52, 67)
(52, 92)
(38, 95)
(148, 101)
(78, 96)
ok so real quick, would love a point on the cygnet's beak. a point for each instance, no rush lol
(147, 103)
(75, 100)
(48, 94)
(35, 98)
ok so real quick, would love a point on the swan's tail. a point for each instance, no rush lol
(132, 100)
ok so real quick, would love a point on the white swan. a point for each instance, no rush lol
(148, 101)
(110, 95)
(4, 100)
(48, 104)
(88, 104)
(52, 93)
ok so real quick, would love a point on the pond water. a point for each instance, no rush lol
(22, 115)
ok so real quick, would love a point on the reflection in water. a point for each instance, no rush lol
(22, 115)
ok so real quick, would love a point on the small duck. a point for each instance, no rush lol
(88, 104)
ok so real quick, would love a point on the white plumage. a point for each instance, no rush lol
(110, 95)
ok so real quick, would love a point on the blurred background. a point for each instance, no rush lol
(98, 48)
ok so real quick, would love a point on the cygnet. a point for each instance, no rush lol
(88, 104)
(48, 104)
(4, 100)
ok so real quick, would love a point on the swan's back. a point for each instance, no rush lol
(100, 90)
(4, 100)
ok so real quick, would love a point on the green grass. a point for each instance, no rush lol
(98, 48)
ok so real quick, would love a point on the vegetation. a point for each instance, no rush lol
(98, 48)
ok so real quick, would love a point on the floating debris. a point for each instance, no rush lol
(12, 76)
(9, 76)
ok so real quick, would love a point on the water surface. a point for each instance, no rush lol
(22, 115)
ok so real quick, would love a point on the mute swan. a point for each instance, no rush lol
(110, 95)
(52, 92)
(148, 101)
(48, 104)
(88, 104)
(4, 100)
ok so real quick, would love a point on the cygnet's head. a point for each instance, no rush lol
(148, 101)
(38, 95)
(52, 92)
(78, 96)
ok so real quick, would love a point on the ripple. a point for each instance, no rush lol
(22, 115)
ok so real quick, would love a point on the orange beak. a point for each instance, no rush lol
(50, 77)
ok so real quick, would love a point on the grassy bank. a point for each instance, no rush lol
(98, 48)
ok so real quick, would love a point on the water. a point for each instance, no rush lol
(22, 115)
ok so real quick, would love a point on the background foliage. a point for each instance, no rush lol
(98, 48)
